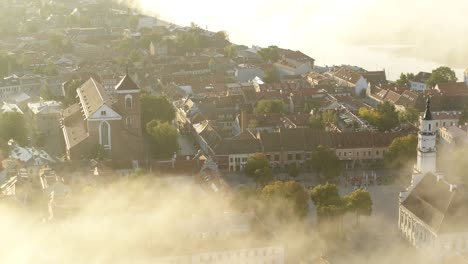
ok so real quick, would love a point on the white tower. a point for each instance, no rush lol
(426, 160)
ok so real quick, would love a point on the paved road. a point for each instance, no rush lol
(186, 145)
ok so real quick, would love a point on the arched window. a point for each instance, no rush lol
(105, 134)
(128, 101)
(128, 121)
(429, 127)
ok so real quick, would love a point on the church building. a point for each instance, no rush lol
(432, 211)
(104, 123)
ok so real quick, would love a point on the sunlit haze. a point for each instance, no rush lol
(397, 35)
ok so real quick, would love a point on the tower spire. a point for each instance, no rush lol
(427, 113)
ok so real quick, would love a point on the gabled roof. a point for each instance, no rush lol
(92, 96)
(126, 84)
(439, 204)
(422, 77)
(375, 77)
(348, 75)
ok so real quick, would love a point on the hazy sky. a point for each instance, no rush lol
(434, 32)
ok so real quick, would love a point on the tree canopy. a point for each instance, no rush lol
(155, 108)
(360, 202)
(163, 139)
(230, 51)
(441, 75)
(324, 161)
(269, 106)
(258, 168)
(405, 79)
(328, 203)
(410, 115)
(286, 199)
(384, 117)
(13, 126)
(402, 151)
(271, 76)
(269, 54)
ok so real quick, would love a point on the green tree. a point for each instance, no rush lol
(384, 117)
(7, 64)
(258, 168)
(325, 162)
(405, 79)
(464, 116)
(230, 51)
(156, 108)
(402, 151)
(328, 203)
(46, 93)
(70, 91)
(286, 199)
(98, 152)
(329, 118)
(293, 171)
(134, 56)
(410, 115)
(269, 54)
(163, 139)
(441, 75)
(360, 202)
(316, 122)
(13, 126)
(271, 76)
(388, 117)
(147, 38)
(269, 106)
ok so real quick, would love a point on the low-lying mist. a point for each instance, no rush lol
(144, 219)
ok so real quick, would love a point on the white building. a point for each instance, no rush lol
(432, 211)
(419, 82)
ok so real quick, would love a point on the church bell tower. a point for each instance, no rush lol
(426, 159)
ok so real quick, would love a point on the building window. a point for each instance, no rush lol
(290, 156)
(128, 121)
(268, 157)
(298, 156)
(276, 157)
(105, 135)
(103, 113)
(377, 152)
(345, 153)
(128, 101)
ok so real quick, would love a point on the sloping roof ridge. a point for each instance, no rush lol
(97, 88)
(446, 207)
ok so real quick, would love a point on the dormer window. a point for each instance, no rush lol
(128, 101)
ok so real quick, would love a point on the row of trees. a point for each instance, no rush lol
(282, 202)
(330, 205)
(323, 161)
(440, 75)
